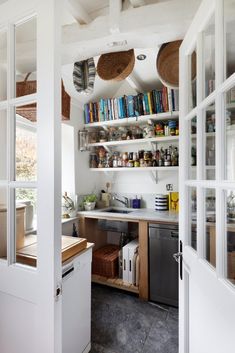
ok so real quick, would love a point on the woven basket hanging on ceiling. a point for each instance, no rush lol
(168, 64)
(116, 66)
(29, 111)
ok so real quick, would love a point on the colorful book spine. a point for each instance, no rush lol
(150, 103)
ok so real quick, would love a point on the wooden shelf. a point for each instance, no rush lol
(136, 169)
(142, 119)
(156, 139)
(115, 283)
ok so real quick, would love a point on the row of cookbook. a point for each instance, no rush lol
(154, 102)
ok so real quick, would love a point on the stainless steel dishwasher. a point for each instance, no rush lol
(163, 269)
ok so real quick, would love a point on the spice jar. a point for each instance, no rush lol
(141, 154)
(93, 160)
(102, 136)
(101, 152)
(115, 159)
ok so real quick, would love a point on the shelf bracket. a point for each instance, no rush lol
(154, 176)
(107, 149)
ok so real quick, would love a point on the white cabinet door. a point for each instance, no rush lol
(76, 305)
(207, 203)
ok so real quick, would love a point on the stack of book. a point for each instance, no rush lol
(154, 102)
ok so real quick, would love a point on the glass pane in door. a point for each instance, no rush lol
(210, 135)
(209, 57)
(3, 223)
(3, 144)
(193, 82)
(26, 225)
(193, 149)
(229, 124)
(210, 226)
(26, 143)
(229, 20)
(193, 217)
(230, 228)
(25, 57)
(3, 65)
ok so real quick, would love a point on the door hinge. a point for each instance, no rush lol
(179, 259)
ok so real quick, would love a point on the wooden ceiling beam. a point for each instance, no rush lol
(78, 12)
(115, 8)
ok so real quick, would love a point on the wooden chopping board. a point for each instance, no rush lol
(71, 246)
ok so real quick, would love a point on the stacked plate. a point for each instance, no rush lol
(161, 202)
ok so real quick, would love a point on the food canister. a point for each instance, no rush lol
(161, 202)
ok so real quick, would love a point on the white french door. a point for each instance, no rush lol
(30, 185)
(207, 180)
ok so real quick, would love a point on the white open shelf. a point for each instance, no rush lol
(156, 139)
(142, 119)
(135, 169)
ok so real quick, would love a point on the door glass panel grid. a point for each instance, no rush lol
(229, 26)
(229, 248)
(3, 64)
(229, 133)
(25, 121)
(209, 57)
(209, 225)
(26, 59)
(192, 217)
(209, 142)
(193, 148)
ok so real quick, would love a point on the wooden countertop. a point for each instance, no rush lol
(71, 247)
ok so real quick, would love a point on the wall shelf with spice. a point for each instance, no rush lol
(135, 141)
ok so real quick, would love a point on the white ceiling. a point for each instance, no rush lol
(82, 41)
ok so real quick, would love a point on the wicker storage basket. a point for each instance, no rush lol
(29, 111)
(116, 66)
(168, 64)
(105, 261)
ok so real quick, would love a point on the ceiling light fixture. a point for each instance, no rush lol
(141, 57)
(118, 43)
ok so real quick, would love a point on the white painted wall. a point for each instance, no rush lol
(76, 177)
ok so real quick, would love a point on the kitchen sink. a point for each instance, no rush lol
(114, 210)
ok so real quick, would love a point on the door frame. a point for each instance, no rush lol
(41, 286)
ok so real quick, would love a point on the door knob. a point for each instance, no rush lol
(179, 259)
(177, 256)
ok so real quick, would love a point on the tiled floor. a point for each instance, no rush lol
(121, 323)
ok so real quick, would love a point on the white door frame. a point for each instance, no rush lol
(195, 267)
(38, 286)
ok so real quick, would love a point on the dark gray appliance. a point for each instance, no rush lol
(163, 269)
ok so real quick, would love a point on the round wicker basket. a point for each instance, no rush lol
(168, 64)
(116, 66)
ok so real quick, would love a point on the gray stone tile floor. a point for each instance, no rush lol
(122, 323)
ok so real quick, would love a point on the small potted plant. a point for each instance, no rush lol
(89, 202)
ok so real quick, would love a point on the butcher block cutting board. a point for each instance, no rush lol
(70, 247)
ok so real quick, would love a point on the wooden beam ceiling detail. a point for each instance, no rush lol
(137, 3)
(115, 8)
(78, 12)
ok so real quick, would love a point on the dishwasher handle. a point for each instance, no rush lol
(174, 234)
(68, 270)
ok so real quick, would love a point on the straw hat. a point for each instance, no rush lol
(168, 64)
(116, 66)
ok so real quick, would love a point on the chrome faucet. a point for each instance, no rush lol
(125, 202)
